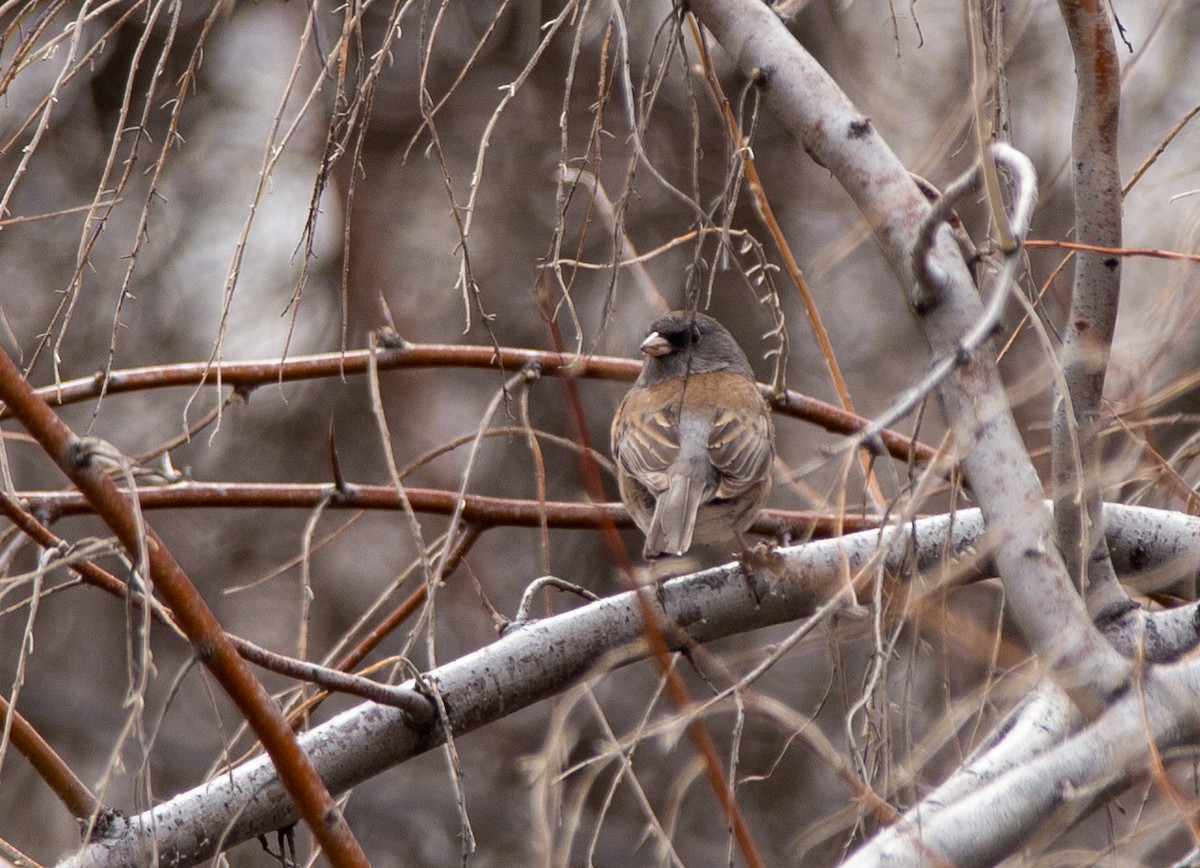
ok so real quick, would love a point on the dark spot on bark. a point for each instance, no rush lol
(205, 651)
(985, 430)
(875, 446)
(1112, 263)
(762, 76)
(109, 823)
(1112, 617)
(1032, 553)
(79, 455)
(962, 357)
(1120, 691)
(860, 128)
(1139, 557)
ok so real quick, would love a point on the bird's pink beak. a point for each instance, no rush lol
(656, 345)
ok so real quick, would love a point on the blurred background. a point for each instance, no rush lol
(186, 182)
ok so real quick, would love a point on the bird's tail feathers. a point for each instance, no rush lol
(674, 519)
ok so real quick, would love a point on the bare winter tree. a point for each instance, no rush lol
(315, 317)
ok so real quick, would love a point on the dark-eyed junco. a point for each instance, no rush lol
(693, 439)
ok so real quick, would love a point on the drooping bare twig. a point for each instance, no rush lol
(385, 626)
(626, 254)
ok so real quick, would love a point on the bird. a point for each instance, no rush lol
(693, 440)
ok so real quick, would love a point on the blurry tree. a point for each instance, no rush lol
(328, 307)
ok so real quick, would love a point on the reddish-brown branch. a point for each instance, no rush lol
(212, 647)
(250, 375)
(49, 765)
(247, 376)
(477, 509)
(1153, 252)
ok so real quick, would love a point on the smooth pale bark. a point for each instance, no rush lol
(1088, 332)
(543, 658)
(1039, 593)
(984, 815)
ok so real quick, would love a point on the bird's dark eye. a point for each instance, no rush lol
(687, 336)
(678, 339)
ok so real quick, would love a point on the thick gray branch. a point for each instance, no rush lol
(543, 658)
(1087, 337)
(992, 812)
(1050, 612)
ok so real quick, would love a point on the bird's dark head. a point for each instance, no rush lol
(685, 342)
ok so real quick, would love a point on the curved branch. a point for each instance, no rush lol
(1087, 339)
(540, 659)
(1051, 614)
(1006, 807)
(71, 791)
(931, 280)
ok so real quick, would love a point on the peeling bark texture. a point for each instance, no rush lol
(1087, 341)
(1050, 612)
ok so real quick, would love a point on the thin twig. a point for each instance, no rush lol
(330, 679)
(1077, 246)
(410, 604)
(538, 585)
